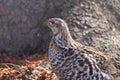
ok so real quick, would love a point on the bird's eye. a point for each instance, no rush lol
(52, 22)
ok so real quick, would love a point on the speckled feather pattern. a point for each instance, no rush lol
(71, 60)
(75, 64)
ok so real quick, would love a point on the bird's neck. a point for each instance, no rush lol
(63, 39)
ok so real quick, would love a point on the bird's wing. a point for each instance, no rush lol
(101, 59)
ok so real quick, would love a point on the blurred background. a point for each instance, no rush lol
(94, 23)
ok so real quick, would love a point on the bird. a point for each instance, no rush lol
(71, 60)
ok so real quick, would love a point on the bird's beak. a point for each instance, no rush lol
(47, 23)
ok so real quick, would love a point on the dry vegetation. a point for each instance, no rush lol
(31, 68)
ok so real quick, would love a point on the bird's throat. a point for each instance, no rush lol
(63, 40)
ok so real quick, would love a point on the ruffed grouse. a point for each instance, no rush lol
(71, 60)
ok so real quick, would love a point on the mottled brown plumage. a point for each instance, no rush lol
(71, 60)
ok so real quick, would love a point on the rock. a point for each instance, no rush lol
(21, 29)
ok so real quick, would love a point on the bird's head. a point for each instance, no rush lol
(56, 25)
